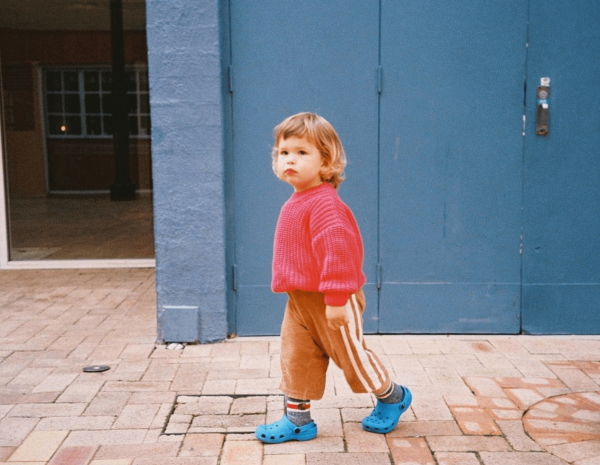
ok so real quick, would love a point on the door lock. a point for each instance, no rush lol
(543, 94)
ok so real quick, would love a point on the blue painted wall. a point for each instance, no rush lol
(184, 65)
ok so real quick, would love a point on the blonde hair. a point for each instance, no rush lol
(318, 131)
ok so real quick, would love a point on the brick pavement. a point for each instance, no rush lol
(487, 400)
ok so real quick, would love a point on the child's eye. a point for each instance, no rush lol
(302, 152)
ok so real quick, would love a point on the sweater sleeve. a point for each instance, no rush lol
(340, 262)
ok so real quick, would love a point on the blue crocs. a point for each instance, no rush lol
(284, 430)
(384, 417)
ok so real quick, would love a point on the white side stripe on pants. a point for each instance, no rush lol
(352, 337)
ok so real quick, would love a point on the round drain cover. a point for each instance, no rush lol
(96, 369)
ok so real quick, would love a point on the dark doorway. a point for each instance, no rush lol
(59, 160)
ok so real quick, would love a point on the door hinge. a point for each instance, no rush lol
(379, 275)
(234, 277)
(230, 78)
(379, 79)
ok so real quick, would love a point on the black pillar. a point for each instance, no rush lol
(122, 187)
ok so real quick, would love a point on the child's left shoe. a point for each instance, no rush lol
(385, 417)
(284, 430)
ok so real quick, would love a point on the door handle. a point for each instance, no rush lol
(543, 95)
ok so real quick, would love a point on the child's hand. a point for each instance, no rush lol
(336, 317)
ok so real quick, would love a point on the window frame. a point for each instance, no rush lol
(139, 93)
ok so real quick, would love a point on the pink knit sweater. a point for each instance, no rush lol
(318, 246)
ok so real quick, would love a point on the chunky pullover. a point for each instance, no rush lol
(318, 246)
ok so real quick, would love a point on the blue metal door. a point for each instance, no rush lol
(289, 57)
(561, 264)
(451, 165)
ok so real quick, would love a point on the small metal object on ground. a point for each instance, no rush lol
(96, 369)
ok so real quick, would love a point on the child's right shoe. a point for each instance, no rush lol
(284, 430)
(385, 417)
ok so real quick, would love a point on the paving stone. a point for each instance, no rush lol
(576, 451)
(160, 420)
(4, 409)
(153, 436)
(358, 440)
(430, 407)
(573, 377)
(39, 446)
(14, 430)
(590, 461)
(217, 405)
(329, 421)
(241, 453)
(219, 386)
(456, 458)
(55, 383)
(255, 362)
(133, 451)
(485, 387)
(202, 445)
(197, 350)
(183, 428)
(116, 386)
(189, 378)
(80, 391)
(528, 383)
(233, 423)
(108, 403)
(347, 459)
(410, 451)
(178, 461)
(159, 370)
(254, 347)
(467, 443)
(226, 350)
(136, 351)
(475, 421)
(506, 414)
(77, 455)
(353, 401)
(426, 428)
(128, 370)
(150, 397)
(23, 463)
(495, 402)
(31, 376)
(290, 459)
(112, 462)
(525, 398)
(47, 410)
(257, 386)
(249, 405)
(515, 434)
(136, 416)
(75, 423)
(83, 438)
(355, 414)
(321, 444)
(6, 452)
(520, 458)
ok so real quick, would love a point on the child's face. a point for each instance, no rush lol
(299, 163)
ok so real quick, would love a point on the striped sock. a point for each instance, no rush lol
(297, 411)
(392, 395)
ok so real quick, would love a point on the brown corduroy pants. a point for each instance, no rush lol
(307, 344)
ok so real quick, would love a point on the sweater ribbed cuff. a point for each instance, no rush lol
(336, 299)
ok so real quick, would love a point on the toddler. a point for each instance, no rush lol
(318, 255)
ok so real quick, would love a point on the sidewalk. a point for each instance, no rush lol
(488, 400)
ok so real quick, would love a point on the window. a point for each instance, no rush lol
(78, 103)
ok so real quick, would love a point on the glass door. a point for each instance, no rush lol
(58, 157)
